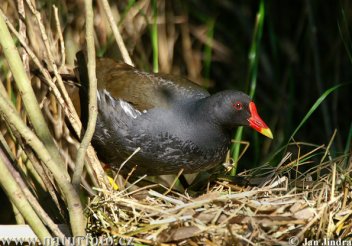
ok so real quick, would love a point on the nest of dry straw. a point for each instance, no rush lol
(279, 211)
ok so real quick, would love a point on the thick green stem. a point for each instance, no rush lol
(27, 93)
(18, 198)
(75, 210)
(92, 104)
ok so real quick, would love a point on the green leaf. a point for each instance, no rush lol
(314, 107)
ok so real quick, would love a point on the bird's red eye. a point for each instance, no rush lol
(238, 106)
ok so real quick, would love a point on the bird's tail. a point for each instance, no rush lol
(82, 74)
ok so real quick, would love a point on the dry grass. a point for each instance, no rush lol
(226, 214)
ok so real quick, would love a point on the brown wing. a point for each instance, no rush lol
(144, 90)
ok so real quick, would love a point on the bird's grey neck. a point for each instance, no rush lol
(205, 109)
(201, 111)
(200, 115)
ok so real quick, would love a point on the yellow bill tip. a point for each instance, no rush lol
(267, 132)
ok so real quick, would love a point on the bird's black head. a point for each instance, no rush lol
(234, 108)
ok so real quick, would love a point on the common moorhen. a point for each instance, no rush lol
(176, 123)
